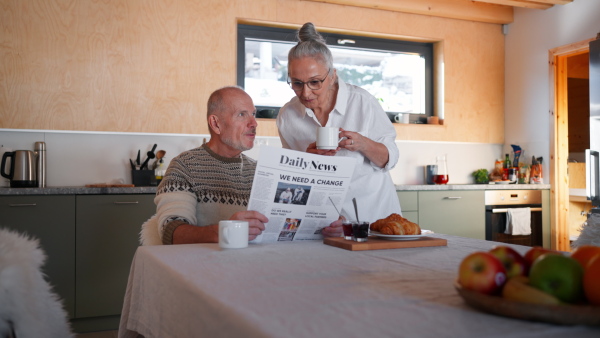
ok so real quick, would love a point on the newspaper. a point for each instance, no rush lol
(297, 192)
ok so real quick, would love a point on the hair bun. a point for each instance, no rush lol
(308, 32)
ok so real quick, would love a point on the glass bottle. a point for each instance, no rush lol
(441, 174)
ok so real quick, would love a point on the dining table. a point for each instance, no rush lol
(310, 289)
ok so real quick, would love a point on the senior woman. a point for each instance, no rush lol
(324, 100)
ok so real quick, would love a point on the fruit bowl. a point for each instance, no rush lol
(563, 314)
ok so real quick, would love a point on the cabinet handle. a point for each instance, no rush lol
(22, 205)
(453, 197)
(134, 202)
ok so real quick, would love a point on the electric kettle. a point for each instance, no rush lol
(23, 168)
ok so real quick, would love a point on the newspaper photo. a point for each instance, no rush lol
(297, 192)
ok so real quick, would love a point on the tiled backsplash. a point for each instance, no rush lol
(80, 158)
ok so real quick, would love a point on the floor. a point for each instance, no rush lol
(101, 334)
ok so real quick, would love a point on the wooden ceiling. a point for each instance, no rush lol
(490, 11)
(536, 4)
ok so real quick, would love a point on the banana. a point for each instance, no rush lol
(518, 289)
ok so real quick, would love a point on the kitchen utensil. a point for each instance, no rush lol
(150, 155)
(336, 209)
(355, 209)
(159, 155)
(137, 161)
(132, 164)
(23, 168)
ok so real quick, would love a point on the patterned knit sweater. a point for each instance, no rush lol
(201, 188)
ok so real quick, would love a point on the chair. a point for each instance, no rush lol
(28, 307)
(149, 234)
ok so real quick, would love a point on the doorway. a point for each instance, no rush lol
(567, 82)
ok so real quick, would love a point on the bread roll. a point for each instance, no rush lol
(395, 224)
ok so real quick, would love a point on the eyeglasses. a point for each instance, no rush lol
(298, 86)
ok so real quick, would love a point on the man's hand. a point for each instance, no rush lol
(256, 222)
(334, 229)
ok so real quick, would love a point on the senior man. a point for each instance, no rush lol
(212, 182)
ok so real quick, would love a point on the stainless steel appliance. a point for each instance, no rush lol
(592, 160)
(497, 204)
(22, 172)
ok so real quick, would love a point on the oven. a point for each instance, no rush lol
(497, 203)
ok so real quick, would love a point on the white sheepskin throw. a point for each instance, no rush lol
(28, 307)
(150, 234)
(590, 232)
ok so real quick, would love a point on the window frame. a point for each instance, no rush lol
(424, 49)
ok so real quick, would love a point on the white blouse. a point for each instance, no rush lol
(359, 111)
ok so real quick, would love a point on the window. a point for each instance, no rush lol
(398, 73)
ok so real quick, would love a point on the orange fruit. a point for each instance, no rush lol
(591, 276)
(585, 253)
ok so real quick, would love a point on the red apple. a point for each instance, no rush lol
(535, 252)
(558, 275)
(482, 272)
(513, 262)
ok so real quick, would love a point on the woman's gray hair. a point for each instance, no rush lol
(311, 44)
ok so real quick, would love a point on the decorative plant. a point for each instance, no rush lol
(481, 176)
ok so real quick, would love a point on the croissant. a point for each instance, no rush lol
(395, 224)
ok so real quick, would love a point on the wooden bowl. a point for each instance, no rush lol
(563, 314)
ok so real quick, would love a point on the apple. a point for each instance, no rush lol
(535, 252)
(482, 272)
(558, 275)
(514, 263)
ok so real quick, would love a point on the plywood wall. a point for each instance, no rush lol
(149, 66)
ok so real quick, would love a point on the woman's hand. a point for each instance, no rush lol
(374, 151)
(312, 148)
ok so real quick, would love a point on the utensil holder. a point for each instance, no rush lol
(143, 178)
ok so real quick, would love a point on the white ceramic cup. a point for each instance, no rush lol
(233, 234)
(328, 137)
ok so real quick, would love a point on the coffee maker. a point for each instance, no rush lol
(26, 169)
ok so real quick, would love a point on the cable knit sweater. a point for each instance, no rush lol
(201, 188)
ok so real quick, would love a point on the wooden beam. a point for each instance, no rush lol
(454, 9)
(517, 3)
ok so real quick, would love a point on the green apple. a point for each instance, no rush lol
(535, 252)
(558, 275)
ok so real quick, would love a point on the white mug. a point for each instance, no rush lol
(233, 234)
(327, 137)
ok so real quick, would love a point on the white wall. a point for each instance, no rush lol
(80, 158)
(530, 37)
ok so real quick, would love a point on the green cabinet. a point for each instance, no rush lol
(452, 212)
(409, 203)
(50, 219)
(108, 228)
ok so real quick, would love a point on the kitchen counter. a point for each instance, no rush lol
(76, 191)
(442, 187)
(152, 190)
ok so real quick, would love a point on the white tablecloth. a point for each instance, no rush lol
(308, 289)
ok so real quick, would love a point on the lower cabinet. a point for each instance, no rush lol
(51, 220)
(107, 236)
(460, 213)
(409, 204)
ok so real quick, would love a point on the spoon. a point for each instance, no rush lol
(159, 155)
(355, 208)
(336, 209)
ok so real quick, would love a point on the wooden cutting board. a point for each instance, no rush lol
(375, 243)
